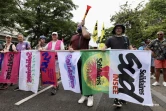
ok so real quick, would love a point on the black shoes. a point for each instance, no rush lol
(54, 90)
(117, 103)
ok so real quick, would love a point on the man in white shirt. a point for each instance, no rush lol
(55, 44)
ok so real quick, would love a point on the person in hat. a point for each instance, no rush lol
(9, 47)
(41, 43)
(142, 46)
(55, 44)
(118, 41)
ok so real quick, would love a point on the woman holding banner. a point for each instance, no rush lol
(9, 47)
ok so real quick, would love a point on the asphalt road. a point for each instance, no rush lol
(62, 101)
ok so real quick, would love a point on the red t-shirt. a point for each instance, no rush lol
(84, 43)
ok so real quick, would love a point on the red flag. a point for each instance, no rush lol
(47, 67)
(10, 70)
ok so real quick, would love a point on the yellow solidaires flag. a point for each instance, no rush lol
(102, 38)
(95, 32)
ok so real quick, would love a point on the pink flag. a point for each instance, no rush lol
(47, 67)
(10, 68)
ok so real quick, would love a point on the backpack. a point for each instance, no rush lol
(10, 48)
(126, 42)
(26, 45)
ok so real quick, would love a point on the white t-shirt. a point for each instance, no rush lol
(53, 46)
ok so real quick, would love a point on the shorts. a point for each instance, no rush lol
(56, 66)
(159, 64)
(152, 62)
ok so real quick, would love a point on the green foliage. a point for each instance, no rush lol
(39, 17)
(142, 22)
(108, 32)
(8, 12)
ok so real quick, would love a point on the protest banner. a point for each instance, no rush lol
(1, 60)
(10, 70)
(95, 70)
(29, 70)
(68, 69)
(47, 68)
(130, 76)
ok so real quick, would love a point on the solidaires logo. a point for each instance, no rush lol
(96, 71)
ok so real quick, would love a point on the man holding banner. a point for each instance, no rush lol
(78, 42)
(55, 44)
(21, 46)
(118, 41)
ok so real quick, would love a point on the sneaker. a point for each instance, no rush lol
(153, 77)
(82, 99)
(123, 102)
(164, 83)
(156, 84)
(11, 84)
(4, 86)
(16, 89)
(40, 88)
(90, 101)
(117, 103)
(53, 91)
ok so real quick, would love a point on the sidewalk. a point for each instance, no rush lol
(159, 93)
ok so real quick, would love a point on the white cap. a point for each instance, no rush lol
(8, 36)
(55, 33)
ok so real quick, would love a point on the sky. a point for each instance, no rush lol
(101, 10)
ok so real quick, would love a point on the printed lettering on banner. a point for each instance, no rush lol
(68, 70)
(47, 66)
(95, 70)
(10, 68)
(130, 76)
(29, 70)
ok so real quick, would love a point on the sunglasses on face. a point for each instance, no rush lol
(159, 34)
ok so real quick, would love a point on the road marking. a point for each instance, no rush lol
(33, 95)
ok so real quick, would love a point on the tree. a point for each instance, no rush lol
(142, 22)
(41, 17)
(108, 32)
(155, 16)
(131, 18)
(8, 13)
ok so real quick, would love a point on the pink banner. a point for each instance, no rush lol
(47, 68)
(10, 68)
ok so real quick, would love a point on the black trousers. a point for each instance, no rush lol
(79, 66)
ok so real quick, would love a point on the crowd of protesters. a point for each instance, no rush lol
(81, 40)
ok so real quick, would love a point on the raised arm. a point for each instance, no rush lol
(85, 33)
